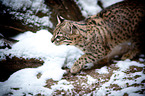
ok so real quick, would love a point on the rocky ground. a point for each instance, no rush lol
(88, 82)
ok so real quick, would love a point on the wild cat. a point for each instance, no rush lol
(116, 30)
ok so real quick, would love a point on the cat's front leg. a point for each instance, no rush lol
(79, 64)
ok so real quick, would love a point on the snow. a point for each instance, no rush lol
(37, 5)
(107, 3)
(141, 60)
(119, 77)
(37, 45)
(90, 7)
(1, 41)
(25, 80)
(90, 80)
(63, 85)
(124, 65)
(128, 90)
(30, 8)
(103, 70)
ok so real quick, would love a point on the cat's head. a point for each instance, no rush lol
(65, 32)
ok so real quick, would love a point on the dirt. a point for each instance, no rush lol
(11, 65)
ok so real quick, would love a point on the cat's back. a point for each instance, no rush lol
(121, 22)
(127, 7)
(128, 11)
(123, 14)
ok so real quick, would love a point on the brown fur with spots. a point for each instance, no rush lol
(117, 30)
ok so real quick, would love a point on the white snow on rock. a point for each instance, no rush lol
(90, 7)
(103, 70)
(37, 45)
(91, 80)
(37, 5)
(30, 8)
(120, 78)
(107, 3)
(63, 85)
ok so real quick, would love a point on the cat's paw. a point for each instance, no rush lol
(74, 70)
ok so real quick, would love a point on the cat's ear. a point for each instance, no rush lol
(60, 19)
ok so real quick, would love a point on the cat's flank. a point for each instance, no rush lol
(117, 30)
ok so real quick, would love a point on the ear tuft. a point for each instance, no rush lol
(60, 19)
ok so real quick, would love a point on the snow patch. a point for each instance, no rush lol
(141, 60)
(90, 7)
(63, 85)
(107, 3)
(30, 8)
(103, 70)
(124, 65)
(37, 5)
(91, 80)
(120, 78)
(37, 45)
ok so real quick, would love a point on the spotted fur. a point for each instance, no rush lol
(117, 30)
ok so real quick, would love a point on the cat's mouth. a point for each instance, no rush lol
(56, 42)
(60, 41)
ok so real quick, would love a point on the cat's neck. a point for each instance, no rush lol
(82, 28)
(82, 34)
